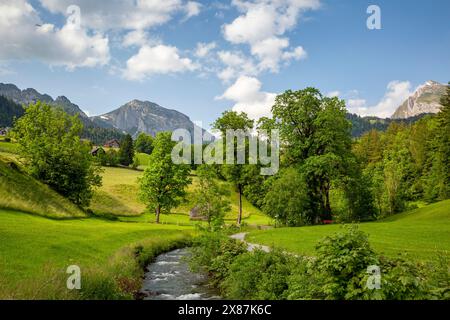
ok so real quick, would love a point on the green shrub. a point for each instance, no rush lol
(305, 282)
(214, 252)
(438, 283)
(339, 271)
(259, 275)
(344, 258)
(402, 279)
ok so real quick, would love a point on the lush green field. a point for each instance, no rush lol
(423, 234)
(118, 196)
(33, 247)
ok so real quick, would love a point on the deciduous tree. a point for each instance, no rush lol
(163, 184)
(50, 145)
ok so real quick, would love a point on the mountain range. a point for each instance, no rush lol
(30, 95)
(133, 117)
(143, 116)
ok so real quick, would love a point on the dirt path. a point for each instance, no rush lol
(250, 246)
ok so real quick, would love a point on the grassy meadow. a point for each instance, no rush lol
(422, 234)
(118, 197)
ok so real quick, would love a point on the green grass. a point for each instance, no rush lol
(118, 196)
(143, 160)
(32, 245)
(8, 147)
(21, 192)
(423, 234)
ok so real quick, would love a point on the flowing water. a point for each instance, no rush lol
(169, 278)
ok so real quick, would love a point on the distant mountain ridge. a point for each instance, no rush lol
(12, 100)
(133, 117)
(145, 116)
(30, 95)
(361, 125)
(426, 99)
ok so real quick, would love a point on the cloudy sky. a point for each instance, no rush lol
(204, 57)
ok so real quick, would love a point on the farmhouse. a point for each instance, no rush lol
(3, 131)
(114, 143)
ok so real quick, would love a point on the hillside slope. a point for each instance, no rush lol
(423, 234)
(18, 191)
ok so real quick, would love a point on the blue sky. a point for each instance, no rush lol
(251, 50)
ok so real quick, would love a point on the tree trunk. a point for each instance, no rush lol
(327, 208)
(239, 220)
(158, 211)
(327, 205)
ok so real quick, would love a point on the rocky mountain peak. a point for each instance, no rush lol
(63, 99)
(426, 99)
(144, 116)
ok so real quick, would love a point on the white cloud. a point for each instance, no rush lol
(248, 97)
(125, 14)
(296, 54)
(269, 52)
(358, 106)
(262, 25)
(160, 59)
(135, 38)
(397, 92)
(333, 94)
(236, 64)
(33, 39)
(203, 49)
(192, 9)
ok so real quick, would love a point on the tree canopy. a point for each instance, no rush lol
(53, 152)
(144, 143)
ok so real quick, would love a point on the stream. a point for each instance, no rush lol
(169, 278)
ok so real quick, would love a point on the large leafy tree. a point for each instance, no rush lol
(316, 139)
(52, 151)
(232, 120)
(126, 152)
(163, 183)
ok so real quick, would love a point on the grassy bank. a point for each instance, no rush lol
(21, 192)
(39, 250)
(423, 234)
